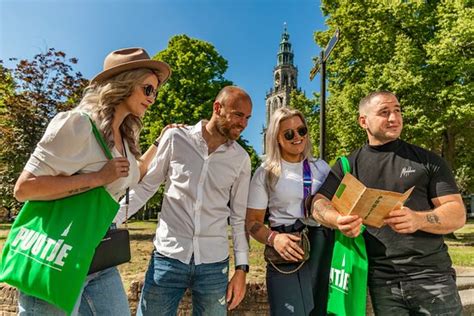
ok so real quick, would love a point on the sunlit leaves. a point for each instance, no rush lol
(421, 50)
(30, 95)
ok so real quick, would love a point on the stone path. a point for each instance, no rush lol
(465, 282)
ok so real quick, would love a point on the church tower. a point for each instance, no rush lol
(285, 76)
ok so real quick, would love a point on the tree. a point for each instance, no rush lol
(254, 159)
(420, 50)
(30, 95)
(310, 110)
(197, 76)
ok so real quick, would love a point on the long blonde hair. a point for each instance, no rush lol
(101, 100)
(272, 163)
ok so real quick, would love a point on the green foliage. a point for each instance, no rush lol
(30, 95)
(254, 159)
(197, 76)
(310, 110)
(7, 86)
(423, 52)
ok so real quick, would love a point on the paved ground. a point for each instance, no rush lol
(465, 282)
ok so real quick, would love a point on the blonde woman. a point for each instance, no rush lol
(278, 185)
(69, 160)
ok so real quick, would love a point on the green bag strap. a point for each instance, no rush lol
(346, 167)
(100, 139)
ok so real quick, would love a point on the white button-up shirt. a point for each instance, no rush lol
(202, 192)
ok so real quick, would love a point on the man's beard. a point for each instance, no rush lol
(224, 130)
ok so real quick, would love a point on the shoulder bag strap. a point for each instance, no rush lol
(109, 156)
(307, 182)
(346, 167)
(127, 192)
(100, 139)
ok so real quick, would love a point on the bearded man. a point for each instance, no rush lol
(206, 174)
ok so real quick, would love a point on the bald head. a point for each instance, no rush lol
(232, 94)
(231, 112)
(368, 100)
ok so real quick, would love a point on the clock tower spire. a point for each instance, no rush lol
(285, 76)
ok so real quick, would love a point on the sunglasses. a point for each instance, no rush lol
(149, 90)
(290, 134)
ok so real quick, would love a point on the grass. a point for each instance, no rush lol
(4, 229)
(461, 249)
(141, 244)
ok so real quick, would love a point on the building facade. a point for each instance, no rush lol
(285, 79)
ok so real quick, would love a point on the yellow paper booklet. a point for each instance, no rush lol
(372, 205)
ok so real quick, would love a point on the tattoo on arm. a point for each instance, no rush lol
(322, 208)
(78, 190)
(433, 219)
(322, 212)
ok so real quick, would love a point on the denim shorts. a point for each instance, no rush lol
(167, 279)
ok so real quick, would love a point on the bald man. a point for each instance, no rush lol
(206, 174)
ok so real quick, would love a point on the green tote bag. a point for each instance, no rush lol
(51, 243)
(348, 278)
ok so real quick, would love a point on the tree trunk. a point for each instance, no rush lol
(448, 154)
(448, 149)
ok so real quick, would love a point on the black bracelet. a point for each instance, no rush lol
(243, 267)
(156, 142)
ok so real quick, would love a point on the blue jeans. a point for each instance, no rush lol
(102, 294)
(167, 279)
(428, 296)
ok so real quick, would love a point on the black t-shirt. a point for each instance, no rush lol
(397, 166)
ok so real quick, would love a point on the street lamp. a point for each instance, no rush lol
(320, 65)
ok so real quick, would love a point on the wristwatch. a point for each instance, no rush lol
(243, 267)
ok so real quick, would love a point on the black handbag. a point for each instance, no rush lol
(113, 250)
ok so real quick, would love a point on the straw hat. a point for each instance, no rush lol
(131, 58)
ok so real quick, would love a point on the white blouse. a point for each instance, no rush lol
(69, 146)
(285, 203)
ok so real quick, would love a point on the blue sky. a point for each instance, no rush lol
(245, 32)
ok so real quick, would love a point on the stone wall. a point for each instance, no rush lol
(254, 304)
(8, 300)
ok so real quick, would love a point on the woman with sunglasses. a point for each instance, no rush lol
(280, 185)
(69, 160)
